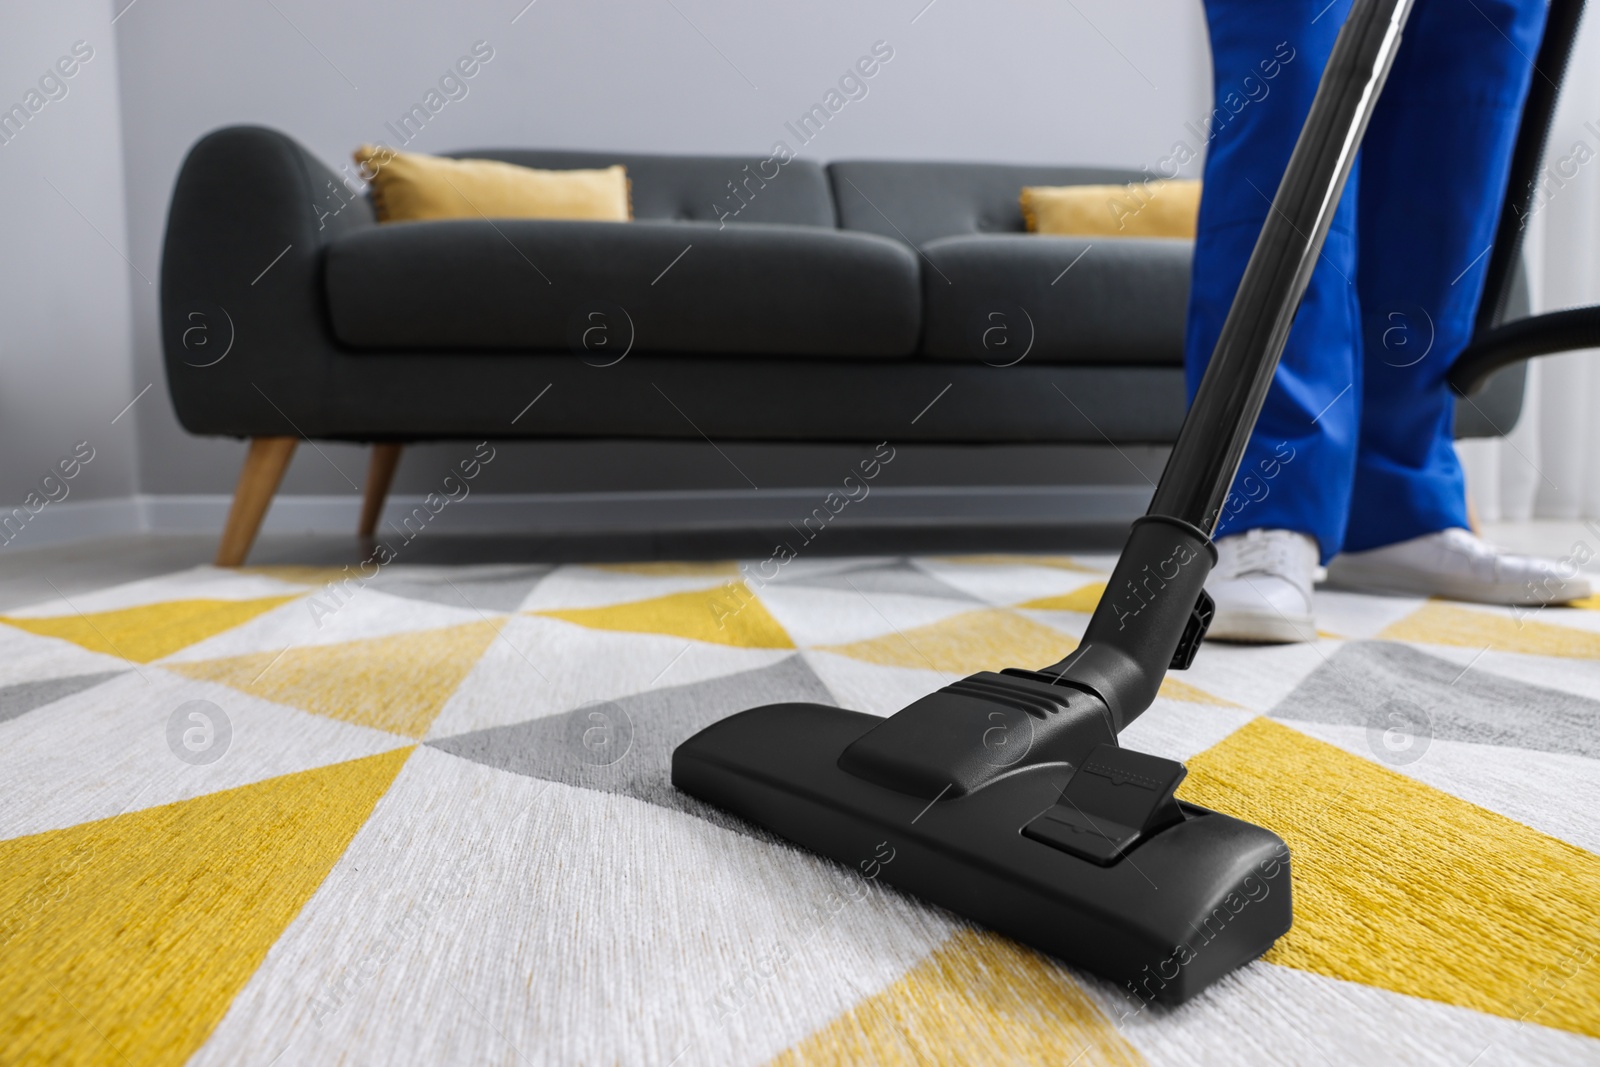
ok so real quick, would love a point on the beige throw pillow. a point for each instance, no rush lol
(1159, 208)
(407, 187)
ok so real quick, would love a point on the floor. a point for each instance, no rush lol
(428, 817)
(33, 575)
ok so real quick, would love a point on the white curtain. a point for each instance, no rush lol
(1546, 468)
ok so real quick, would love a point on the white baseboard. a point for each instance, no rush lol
(633, 512)
(73, 520)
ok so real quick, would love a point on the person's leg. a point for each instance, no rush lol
(1291, 496)
(1296, 474)
(1434, 167)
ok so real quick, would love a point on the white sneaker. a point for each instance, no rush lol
(1262, 587)
(1457, 564)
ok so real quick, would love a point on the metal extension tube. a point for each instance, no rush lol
(1154, 598)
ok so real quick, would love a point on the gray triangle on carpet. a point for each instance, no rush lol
(480, 588)
(900, 576)
(1361, 679)
(24, 697)
(656, 722)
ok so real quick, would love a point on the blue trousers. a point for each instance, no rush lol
(1355, 443)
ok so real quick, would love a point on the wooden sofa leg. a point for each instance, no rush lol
(380, 473)
(263, 471)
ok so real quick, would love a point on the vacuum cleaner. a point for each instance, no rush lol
(1005, 796)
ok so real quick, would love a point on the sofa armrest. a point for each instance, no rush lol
(244, 325)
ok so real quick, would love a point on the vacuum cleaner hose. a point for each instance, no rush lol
(1533, 134)
(1497, 343)
(1538, 335)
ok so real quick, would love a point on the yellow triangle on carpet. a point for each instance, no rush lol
(987, 640)
(1082, 599)
(1173, 689)
(1086, 598)
(1404, 887)
(300, 574)
(398, 682)
(727, 614)
(149, 631)
(139, 930)
(984, 640)
(978, 998)
(1438, 623)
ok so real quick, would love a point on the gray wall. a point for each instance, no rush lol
(65, 369)
(1095, 81)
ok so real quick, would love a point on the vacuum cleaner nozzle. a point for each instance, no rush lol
(1098, 864)
(1004, 796)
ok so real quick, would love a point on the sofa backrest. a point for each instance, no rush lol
(918, 202)
(698, 188)
(914, 202)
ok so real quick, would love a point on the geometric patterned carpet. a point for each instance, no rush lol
(252, 817)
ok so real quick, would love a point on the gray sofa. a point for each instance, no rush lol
(748, 300)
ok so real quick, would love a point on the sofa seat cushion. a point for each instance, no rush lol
(669, 287)
(1002, 298)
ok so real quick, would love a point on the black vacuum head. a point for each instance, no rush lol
(1090, 859)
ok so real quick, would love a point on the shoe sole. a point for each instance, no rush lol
(1471, 593)
(1261, 628)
